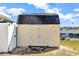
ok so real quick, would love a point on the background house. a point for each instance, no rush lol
(69, 32)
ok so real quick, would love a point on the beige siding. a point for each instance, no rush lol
(55, 35)
(31, 36)
(38, 35)
(21, 35)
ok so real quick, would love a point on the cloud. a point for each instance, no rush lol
(77, 9)
(52, 10)
(64, 17)
(77, 15)
(43, 6)
(48, 9)
(9, 12)
(2, 8)
(3, 11)
(69, 17)
(15, 11)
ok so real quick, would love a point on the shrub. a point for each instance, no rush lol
(63, 38)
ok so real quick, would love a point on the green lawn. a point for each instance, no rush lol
(74, 44)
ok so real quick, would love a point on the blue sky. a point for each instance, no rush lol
(68, 12)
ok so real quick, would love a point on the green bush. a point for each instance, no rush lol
(63, 38)
(67, 39)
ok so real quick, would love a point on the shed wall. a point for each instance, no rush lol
(47, 35)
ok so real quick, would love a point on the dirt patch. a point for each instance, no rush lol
(22, 50)
(63, 50)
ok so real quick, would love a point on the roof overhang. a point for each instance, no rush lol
(4, 16)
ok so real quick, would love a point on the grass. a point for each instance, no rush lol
(74, 44)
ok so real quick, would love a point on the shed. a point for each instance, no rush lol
(38, 30)
(7, 34)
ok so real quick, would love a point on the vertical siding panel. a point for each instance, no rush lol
(38, 35)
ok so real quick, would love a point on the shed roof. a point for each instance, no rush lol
(38, 18)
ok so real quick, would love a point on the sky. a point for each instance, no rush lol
(68, 12)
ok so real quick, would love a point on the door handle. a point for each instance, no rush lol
(14, 35)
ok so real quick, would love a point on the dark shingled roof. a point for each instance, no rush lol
(38, 18)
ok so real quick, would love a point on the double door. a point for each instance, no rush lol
(39, 35)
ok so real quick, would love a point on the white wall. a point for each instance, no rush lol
(3, 37)
(7, 37)
(12, 36)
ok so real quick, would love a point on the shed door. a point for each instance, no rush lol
(42, 35)
(39, 35)
(45, 33)
(31, 35)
